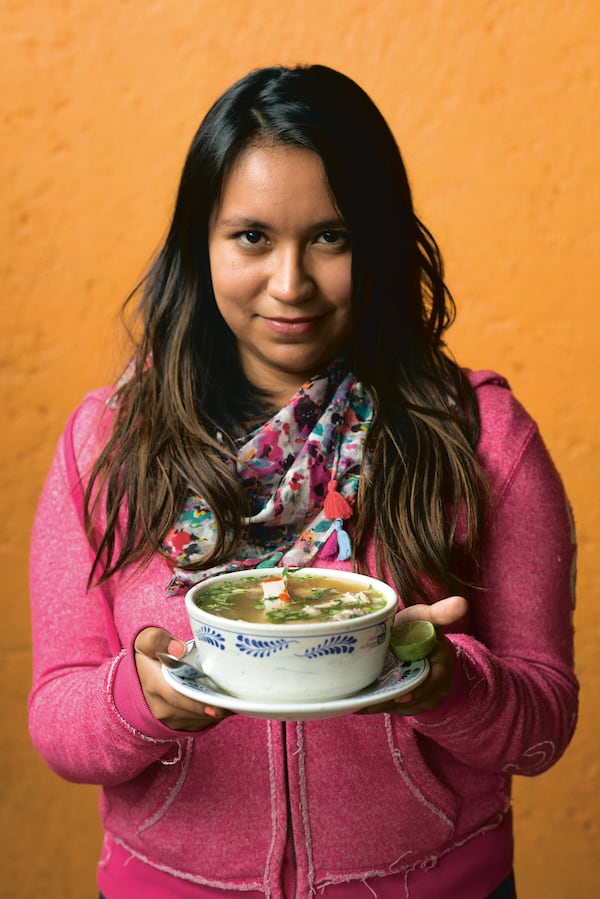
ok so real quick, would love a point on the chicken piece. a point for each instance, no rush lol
(356, 612)
(275, 588)
(311, 611)
(275, 603)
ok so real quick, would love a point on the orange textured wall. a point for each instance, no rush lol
(494, 104)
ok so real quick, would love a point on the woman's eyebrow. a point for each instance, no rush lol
(241, 222)
(330, 224)
(250, 223)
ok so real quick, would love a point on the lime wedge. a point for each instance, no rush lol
(412, 640)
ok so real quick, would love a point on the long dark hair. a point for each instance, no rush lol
(422, 501)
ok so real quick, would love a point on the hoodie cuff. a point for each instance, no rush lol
(130, 702)
(459, 691)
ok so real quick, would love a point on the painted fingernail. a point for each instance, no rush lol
(175, 648)
(406, 698)
(208, 710)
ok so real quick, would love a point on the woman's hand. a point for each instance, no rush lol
(436, 685)
(166, 704)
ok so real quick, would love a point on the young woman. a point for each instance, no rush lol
(293, 334)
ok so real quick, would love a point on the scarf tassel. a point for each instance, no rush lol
(335, 505)
(337, 544)
(337, 508)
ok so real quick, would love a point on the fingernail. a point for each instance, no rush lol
(174, 648)
(208, 710)
(406, 698)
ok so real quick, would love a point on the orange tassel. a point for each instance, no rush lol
(335, 506)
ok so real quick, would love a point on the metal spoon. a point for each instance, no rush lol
(185, 666)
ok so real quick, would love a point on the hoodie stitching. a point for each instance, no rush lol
(174, 791)
(184, 875)
(127, 725)
(427, 863)
(399, 765)
(541, 754)
(304, 806)
(517, 459)
(273, 801)
(432, 861)
(474, 681)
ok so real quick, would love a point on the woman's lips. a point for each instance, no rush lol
(293, 326)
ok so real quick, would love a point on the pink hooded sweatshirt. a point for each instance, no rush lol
(350, 806)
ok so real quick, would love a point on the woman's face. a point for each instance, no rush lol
(280, 262)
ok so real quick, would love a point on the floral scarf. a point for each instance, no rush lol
(286, 467)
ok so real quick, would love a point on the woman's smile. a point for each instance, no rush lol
(294, 327)
(281, 262)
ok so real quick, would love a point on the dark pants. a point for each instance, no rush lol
(506, 890)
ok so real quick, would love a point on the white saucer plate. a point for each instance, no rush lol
(396, 679)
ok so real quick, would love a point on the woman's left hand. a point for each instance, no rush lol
(436, 686)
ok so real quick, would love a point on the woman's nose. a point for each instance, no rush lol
(289, 280)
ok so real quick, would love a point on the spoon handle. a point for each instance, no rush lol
(184, 666)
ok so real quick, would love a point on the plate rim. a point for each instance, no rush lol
(316, 710)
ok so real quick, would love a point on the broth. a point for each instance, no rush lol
(293, 598)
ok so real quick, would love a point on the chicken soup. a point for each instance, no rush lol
(288, 598)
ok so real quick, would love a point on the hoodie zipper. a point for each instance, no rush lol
(290, 832)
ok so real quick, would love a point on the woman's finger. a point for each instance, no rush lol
(151, 640)
(441, 614)
(430, 693)
(166, 704)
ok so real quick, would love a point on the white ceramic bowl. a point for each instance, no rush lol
(297, 661)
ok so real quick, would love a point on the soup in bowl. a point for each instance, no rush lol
(281, 636)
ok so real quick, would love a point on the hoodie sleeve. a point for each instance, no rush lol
(79, 666)
(513, 704)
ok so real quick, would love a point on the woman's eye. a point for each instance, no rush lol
(334, 238)
(250, 238)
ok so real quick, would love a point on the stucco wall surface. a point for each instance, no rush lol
(495, 107)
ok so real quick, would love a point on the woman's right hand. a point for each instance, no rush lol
(166, 704)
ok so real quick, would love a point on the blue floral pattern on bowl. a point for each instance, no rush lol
(210, 635)
(330, 646)
(261, 649)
